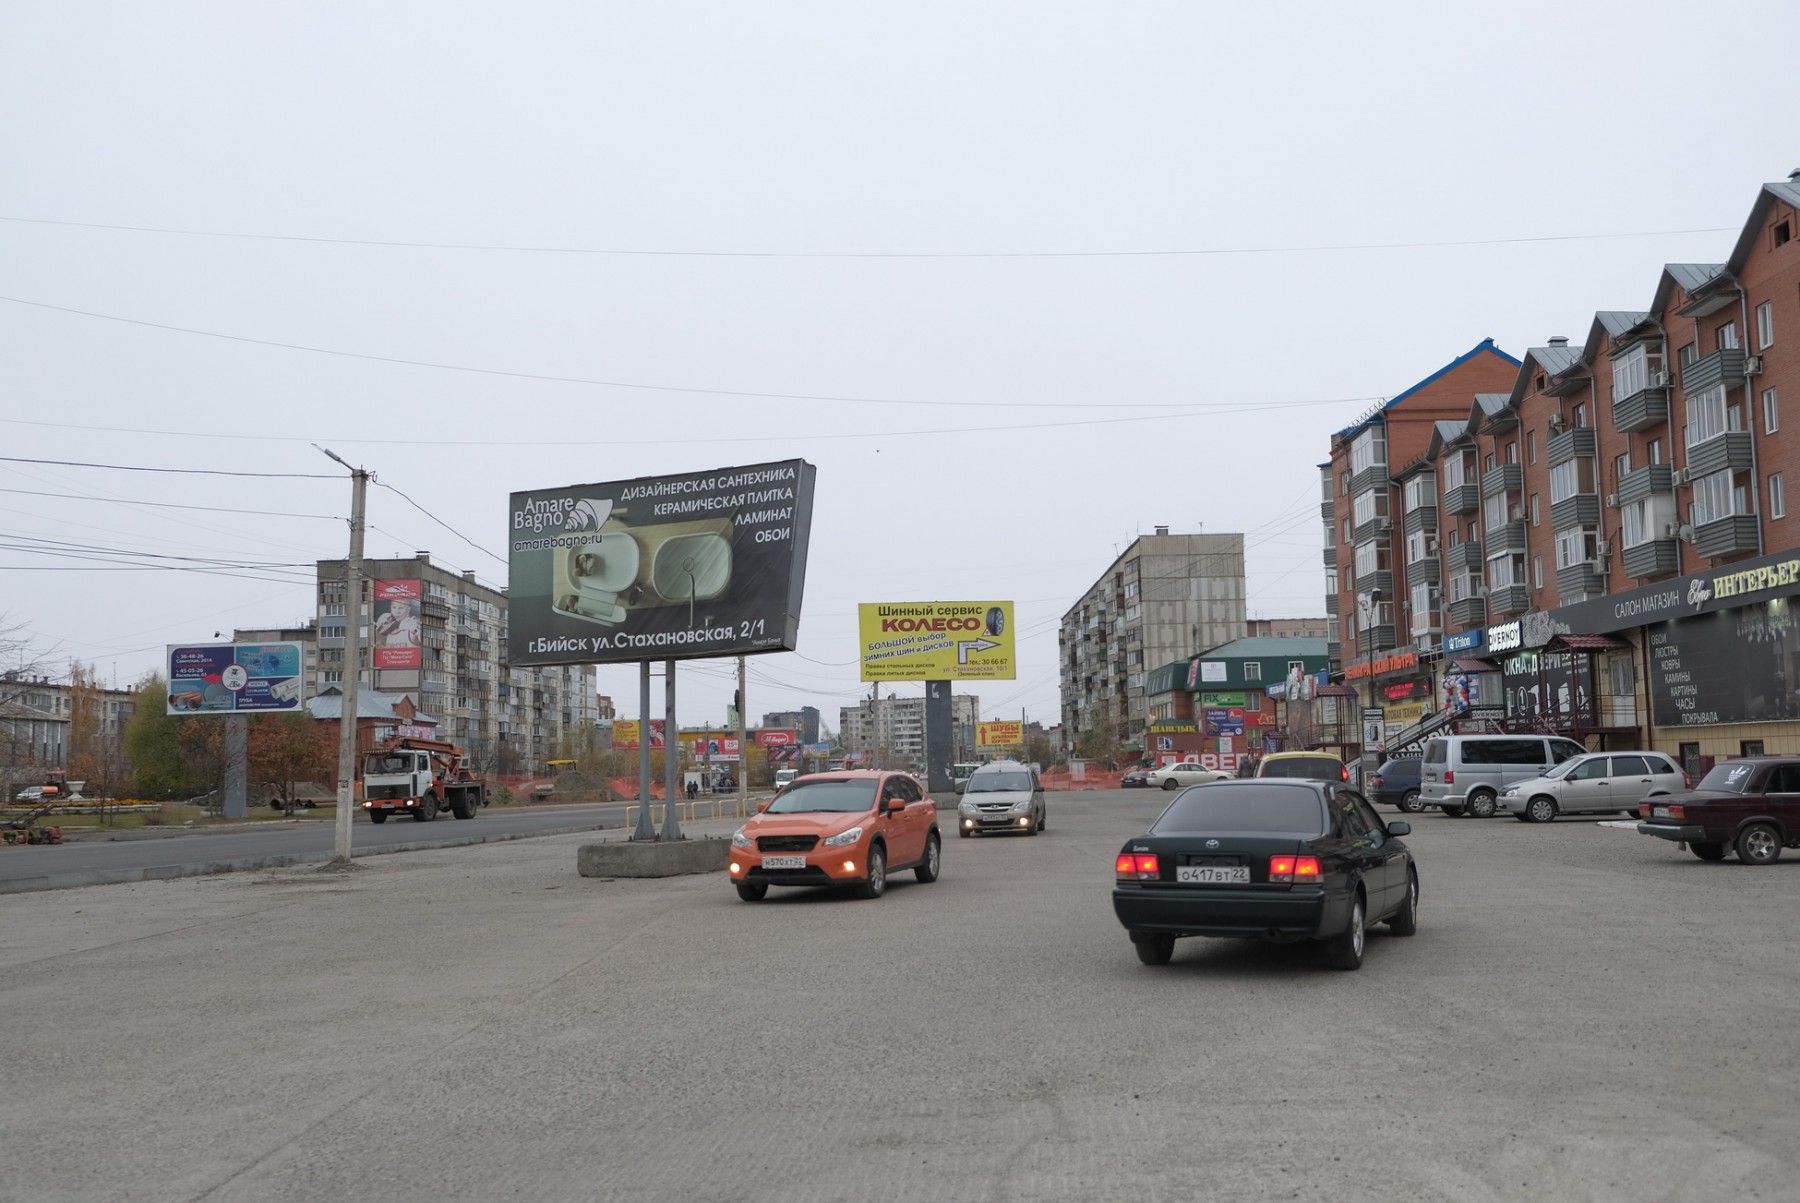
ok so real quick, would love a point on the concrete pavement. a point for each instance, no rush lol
(1585, 1013)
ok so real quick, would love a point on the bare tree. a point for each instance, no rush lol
(23, 756)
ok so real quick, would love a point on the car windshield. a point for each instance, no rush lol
(1731, 778)
(842, 796)
(390, 764)
(1227, 808)
(1557, 772)
(984, 783)
(1316, 768)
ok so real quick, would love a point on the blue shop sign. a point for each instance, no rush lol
(1464, 642)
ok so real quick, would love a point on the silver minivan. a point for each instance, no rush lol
(1002, 795)
(1466, 774)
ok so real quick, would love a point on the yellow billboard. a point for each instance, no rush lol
(1006, 733)
(937, 641)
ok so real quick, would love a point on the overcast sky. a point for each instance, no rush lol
(864, 201)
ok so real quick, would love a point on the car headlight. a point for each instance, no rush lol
(740, 840)
(1025, 805)
(967, 808)
(844, 837)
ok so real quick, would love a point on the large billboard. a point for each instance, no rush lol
(1005, 733)
(397, 636)
(234, 678)
(937, 641)
(661, 567)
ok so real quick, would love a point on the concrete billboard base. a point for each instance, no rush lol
(653, 858)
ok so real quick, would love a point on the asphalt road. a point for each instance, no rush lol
(1585, 1014)
(85, 860)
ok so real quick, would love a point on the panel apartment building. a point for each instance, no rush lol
(512, 720)
(1602, 544)
(889, 732)
(1165, 598)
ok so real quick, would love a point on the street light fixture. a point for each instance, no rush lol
(1369, 622)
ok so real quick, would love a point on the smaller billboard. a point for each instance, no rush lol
(397, 636)
(936, 641)
(627, 734)
(234, 678)
(776, 737)
(713, 747)
(1006, 733)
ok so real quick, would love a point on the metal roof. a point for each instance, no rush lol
(1788, 191)
(1252, 647)
(1693, 275)
(1611, 324)
(1491, 403)
(1485, 345)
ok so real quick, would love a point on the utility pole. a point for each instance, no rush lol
(743, 744)
(644, 830)
(346, 791)
(671, 828)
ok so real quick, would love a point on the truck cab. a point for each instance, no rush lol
(419, 778)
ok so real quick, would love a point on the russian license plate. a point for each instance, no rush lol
(1661, 812)
(1213, 875)
(784, 862)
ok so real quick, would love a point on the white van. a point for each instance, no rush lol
(1466, 774)
(785, 778)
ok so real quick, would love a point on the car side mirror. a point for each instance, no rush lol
(892, 805)
(763, 805)
(1399, 827)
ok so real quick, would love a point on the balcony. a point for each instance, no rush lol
(1659, 557)
(1331, 604)
(1375, 527)
(1327, 512)
(1722, 451)
(1571, 444)
(1334, 652)
(1507, 478)
(1375, 476)
(1468, 556)
(1578, 509)
(1467, 612)
(1424, 626)
(1380, 638)
(1509, 538)
(1423, 572)
(1721, 367)
(1462, 499)
(1423, 518)
(1508, 599)
(1331, 554)
(1586, 579)
(1646, 482)
(1370, 581)
(1730, 536)
(1644, 409)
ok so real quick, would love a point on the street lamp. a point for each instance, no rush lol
(1369, 622)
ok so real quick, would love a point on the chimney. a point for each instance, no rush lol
(1162, 530)
(1794, 175)
(468, 574)
(1559, 340)
(422, 556)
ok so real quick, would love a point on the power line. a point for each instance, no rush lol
(415, 505)
(1191, 252)
(585, 380)
(69, 463)
(170, 505)
(151, 555)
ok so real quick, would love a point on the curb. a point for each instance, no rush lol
(107, 877)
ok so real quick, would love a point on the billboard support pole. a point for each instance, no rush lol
(346, 790)
(743, 744)
(671, 829)
(643, 830)
(937, 737)
(237, 766)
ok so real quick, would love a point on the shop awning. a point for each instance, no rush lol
(1584, 643)
(1471, 665)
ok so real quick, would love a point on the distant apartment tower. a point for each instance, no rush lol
(890, 732)
(804, 720)
(511, 720)
(1164, 599)
(1288, 628)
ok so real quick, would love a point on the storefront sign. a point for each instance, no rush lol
(1225, 721)
(1399, 662)
(1220, 699)
(1749, 581)
(1212, 671)
(1401, 690)
(1503, 638)
(1464, 643)
(1174, 726)
(1732, 666)
(1402, 715)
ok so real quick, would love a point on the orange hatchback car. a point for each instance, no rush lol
(838, 829)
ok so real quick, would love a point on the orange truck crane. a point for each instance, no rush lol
(420, 777)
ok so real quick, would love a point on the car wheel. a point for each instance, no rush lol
(378, 817)
(1759, 844)
(962, 833)
(1154, 950)
(1708, 850)
(1541, 809)
(1346, 951)
(1170, 784)
(1481, 804)
(934, 858)
(875, 883)
(1409, 802)
(752, 891)
(1405, 921)
(1044, 819)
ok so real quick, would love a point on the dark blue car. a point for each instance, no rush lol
(1396, 783)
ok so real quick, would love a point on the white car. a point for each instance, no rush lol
(1188, 772)
(1598, 782)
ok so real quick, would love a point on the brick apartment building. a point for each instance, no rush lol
(1600, 542)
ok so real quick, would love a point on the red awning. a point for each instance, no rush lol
(1585, 643)
(1476, 666)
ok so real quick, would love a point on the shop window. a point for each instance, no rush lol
(1750, 747)
(1690, 760)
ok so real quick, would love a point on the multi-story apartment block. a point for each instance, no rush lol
(37, 716)
(1287, 628)
(510, 719)
(1165, 598)
(1610, 534)
(890, 732)
(804, 720)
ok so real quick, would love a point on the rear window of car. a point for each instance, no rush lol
(1225, 808)
(1311, 768)
(1436, 751)
(1732, 777)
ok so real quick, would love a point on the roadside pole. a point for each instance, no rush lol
(743, 807)
(346, 791)
(671, 828)
(237, 765)
(642, 830)
(937, 737)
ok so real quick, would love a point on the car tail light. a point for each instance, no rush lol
(1678, 812)
(1643, 810)
(1345, 771)
(1376, 781)
(1138, 866)
(1449, 776)
(1290, 869)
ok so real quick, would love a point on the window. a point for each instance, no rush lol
(1369, 505)
(1771, 411)
(1372, 557)
(1571, 478)
(1531, 445)
(1577, 545)
(1621, 468)
(1464, 585)
(1489, 463)
(1727, 337)
(1494, 513)
(1424, 608)
(1619, 671)
(1505, 569)
(1706, 415)
(1420, 545)
(1503, 751)
(1714, 498)
(1331, 581)
(1765, 326)
(1782, 234)
(1637, 369)
(1689, 354)
(1346, 530)
(1512, 452)
(1590, 770)
(1459, 468)
(1647, 518)
(1534, 509)
(1777, 500)
(1537, 572)
(1421, 491)
(1750, 747)
(1455, 536)
(1253, 670)
(1369, 450)
(1581, 415)
(1656, 451)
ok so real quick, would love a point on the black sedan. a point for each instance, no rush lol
(1276, 859)
(1135, 779)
